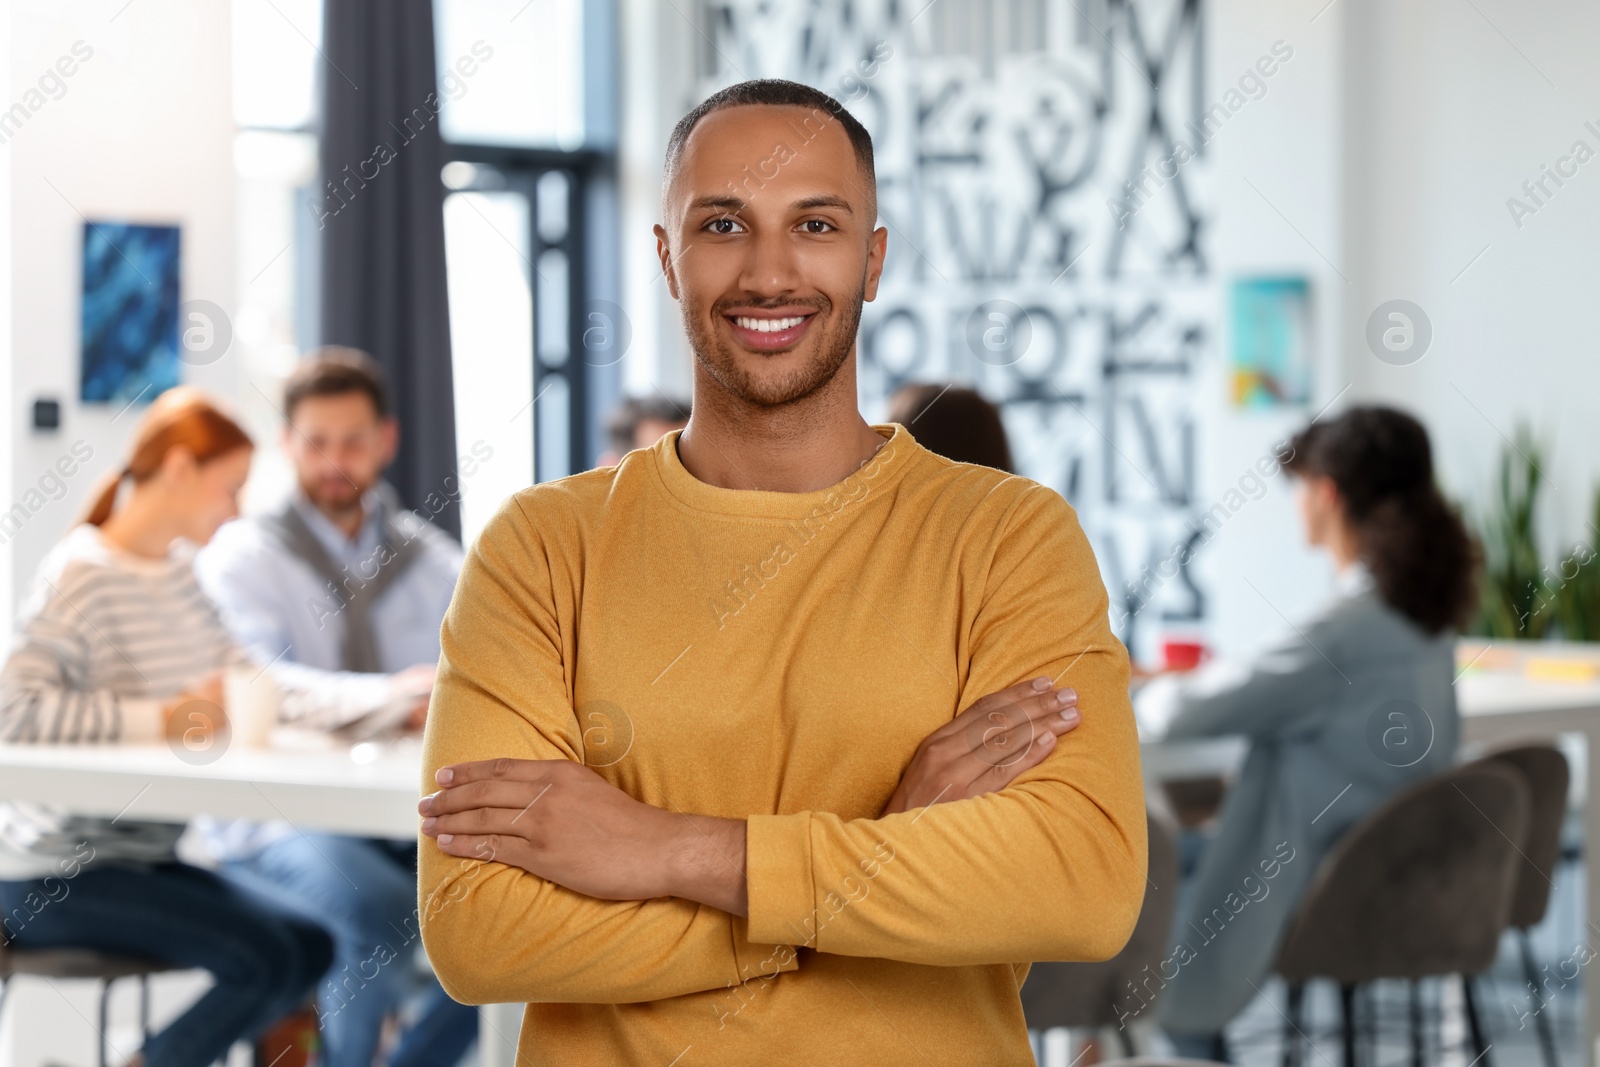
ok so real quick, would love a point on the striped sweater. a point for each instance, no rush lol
(105, 640)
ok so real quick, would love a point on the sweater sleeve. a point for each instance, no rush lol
(46, 692)
(1052, 867)
(505, 690)
(236, 574)
(1288, 681)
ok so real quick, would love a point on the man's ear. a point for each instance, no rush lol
(877, 248)
(388, 439)
(664, 253)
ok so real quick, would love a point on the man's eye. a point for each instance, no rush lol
(724, 225)
(817, 226)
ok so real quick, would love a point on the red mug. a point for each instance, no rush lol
(1182, 655)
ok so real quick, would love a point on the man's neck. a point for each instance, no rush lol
(348, 521)
(798, 448)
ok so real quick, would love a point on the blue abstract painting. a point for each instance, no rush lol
(130, 311)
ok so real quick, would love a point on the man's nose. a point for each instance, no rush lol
(771, 269)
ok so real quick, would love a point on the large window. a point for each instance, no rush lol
(525, 88)
(530, 92)
(275, 77)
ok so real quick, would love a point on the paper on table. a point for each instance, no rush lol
(1155, 705)
(389, 718)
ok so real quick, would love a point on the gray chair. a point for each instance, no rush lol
(1423, 886)
(1089, 994)
(79, 963)
(1545, 770)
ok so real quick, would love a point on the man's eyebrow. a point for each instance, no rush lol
(718, 203)
(825, 201)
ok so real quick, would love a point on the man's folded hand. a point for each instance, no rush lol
(563, 822)
(985, 747)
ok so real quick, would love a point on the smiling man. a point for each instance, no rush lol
(746, 747)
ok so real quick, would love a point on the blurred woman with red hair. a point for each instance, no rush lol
(118, 645)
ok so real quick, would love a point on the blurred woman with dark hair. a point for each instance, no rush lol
(1342, 711)
(954, 422)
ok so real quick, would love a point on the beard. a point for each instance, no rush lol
(731, 366)
(334, 497)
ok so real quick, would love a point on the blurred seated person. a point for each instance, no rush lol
(118, 645)
(953, 421)
(343, 577)
(639, 422)
(1342, 711)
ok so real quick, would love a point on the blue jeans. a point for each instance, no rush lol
(264, 963)
(364, 893)
(1209, 1047)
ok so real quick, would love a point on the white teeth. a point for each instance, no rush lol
(769, 325)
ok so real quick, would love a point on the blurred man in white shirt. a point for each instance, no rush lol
(343, 577)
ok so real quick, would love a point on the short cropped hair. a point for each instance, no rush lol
(335, 370)
(774, 92)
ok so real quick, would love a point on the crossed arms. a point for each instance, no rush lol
(1042, 858)
(563, 822)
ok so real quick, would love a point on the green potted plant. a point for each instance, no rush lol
(1513, 602)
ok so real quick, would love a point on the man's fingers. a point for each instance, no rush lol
(483, 794)
(1011, 695)
(1006, 739)
(503, 769)
(1032, 704)
(487, 847)
(984, 704)
(478, 822)
(993, 736)
(999, 775)
(1027, 699)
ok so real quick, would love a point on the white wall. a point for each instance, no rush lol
(1391, 142)
(1449, 113)
(1277, 194)
(143, 133)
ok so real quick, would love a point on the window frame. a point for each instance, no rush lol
(591, 242)
(591, 187)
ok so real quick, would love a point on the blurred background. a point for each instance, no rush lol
(1152, 343)
(1160, 234)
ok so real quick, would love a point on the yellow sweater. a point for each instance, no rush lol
(778, 656)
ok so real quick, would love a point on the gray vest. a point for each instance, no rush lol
(396, 551)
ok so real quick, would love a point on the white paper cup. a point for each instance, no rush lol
(250, 698)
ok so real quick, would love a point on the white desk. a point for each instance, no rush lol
(325, 790)
(371, 790)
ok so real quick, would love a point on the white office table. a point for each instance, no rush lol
(370, 790)
(325, 789)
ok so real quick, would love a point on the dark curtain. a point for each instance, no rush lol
(382, 230)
